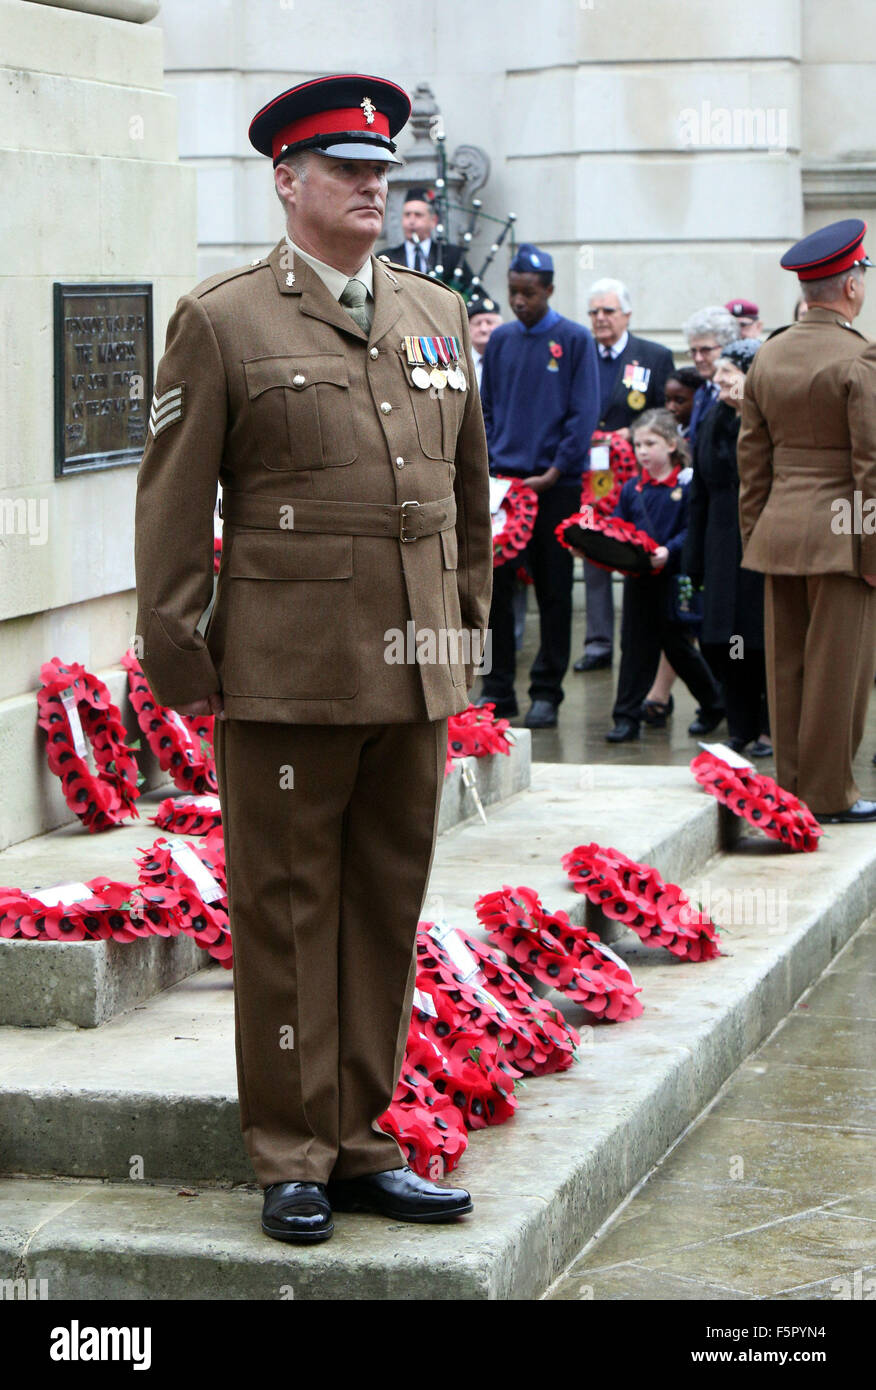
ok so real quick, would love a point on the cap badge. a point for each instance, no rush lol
(369, 108)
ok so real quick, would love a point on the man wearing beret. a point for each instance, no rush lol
(355, 501)
(421, 250)
(807, 507)
(747, 316)
(540, 390)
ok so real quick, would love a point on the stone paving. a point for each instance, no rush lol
(772, 1192)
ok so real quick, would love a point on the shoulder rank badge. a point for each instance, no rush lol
(167, 407)
(435, 362)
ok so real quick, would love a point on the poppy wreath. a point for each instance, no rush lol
(426, 1125)
(171, 887)
(520, 508)
(659, 913)
(188, 815)
(475, 1036)
(100, 917)
(182, 744)
(554, 1040)
(622, 461)
(475, 733)
(759, 800)
(217, 553)
(613, 528)
(465, 1064)
(106, 798)
(567, 958)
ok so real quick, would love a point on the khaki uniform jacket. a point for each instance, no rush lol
(272, 390)
(808, 442)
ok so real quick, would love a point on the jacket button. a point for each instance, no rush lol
(298, 379)
(385, 407)
(374, 353)
(400, 463)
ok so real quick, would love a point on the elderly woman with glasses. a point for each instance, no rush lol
(708, 331)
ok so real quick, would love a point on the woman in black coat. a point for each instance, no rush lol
(731, 636)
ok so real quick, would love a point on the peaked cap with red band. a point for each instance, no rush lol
(349, 116)
(829, 251)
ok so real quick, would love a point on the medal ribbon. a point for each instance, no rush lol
(429, 349)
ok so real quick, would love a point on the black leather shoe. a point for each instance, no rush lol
(399, 1194)
(540, 715)
(706, 721)
(655, 712)
(505, 709)
(761, 748)
(592, 663)
(861, 811)
(297, 1211)
(623, 732)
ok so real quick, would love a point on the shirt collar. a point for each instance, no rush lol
(544, 325)
(334, 280)
(669, 481)
(616, 348)
(424, 245)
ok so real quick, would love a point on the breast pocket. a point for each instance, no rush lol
(302, 414)
(438, 413)
(290, 617)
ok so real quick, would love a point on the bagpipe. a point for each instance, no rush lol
(444, 207)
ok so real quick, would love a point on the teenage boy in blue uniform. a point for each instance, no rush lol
(540, 394)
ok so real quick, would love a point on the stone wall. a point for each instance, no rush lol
(604, 125)
(93, 190)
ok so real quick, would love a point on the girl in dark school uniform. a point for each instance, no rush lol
(656, 502)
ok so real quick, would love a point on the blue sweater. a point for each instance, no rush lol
(666, 517)
(540, 406)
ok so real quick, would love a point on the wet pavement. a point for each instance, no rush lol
(771, 1193)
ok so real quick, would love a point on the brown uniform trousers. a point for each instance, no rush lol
(807, 471)
(331, 759)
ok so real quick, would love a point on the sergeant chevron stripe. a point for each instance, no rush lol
(166, 408)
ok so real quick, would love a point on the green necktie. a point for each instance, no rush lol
(354, 300)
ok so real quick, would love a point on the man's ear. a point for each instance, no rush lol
(285, 182)
(549, 289)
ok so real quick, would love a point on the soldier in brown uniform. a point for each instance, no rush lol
(807, 506)
(356, 507)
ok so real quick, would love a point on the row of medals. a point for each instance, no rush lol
(439, 377)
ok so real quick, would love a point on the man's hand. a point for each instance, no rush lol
(659, 558)
(540, 482)
(211, 704)
(869, 579)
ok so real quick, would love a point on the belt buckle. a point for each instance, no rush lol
(406, 540)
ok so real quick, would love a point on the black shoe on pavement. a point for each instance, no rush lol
(655, 712)
(706, 721)
(505, 709)
(540, 715)
(624, 731)
(861, 811)
(761, 748)
(399, 1194)
(592, 663)
(297, 1211)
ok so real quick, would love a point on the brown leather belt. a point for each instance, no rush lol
(403, 521)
